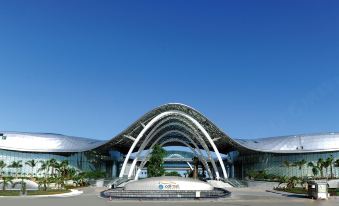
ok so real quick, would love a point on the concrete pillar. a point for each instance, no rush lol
(232, 170)
(114, 169)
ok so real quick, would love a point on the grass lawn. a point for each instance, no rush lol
(9, 193)
(37, 192)
(48, 192)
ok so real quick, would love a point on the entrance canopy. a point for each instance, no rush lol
(173, 122)
(173, 125)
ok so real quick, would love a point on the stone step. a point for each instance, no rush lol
(164, 194)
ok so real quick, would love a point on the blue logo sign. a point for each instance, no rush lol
(161, 186)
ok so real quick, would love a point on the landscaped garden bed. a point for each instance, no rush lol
(300, 190)
(48, 192)
(53, 178)
(9, 193)
(296, 190)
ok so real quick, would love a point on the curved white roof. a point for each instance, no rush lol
(319, 142)
(46, 142)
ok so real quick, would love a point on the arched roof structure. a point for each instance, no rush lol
(305, 143)
(125, 139)
(47, 142)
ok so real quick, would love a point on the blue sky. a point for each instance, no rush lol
(91, 68)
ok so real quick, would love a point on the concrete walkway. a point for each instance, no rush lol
(240, 197)
(73, 193)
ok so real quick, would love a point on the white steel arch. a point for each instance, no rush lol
(200, 155)
(163, 135)
(179, 113)
(155, 130)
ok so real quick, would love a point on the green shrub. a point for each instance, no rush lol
(252, 174)
(333, 191)
(296, 190)
(172, 173)
(262, 175)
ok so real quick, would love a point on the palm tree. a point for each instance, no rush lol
(315, 168)
(321, 164)
(62, 172)
(300, 165)
(62, 168)
(43, 182)
(53, 164)
(71, 173)
(2, 166)
(22, 183)
(326, 164)
(59, 181)
(44, 167)
(330, 161)
(288, 165)
(32, 164)
(336, 163)
(16, 165)
(6, 181)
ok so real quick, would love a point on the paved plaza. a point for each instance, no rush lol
(240, 197)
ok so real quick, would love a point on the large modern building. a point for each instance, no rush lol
(126, 154)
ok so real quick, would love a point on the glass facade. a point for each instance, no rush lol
(77, 160)
(274, 163)
(271, 163)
